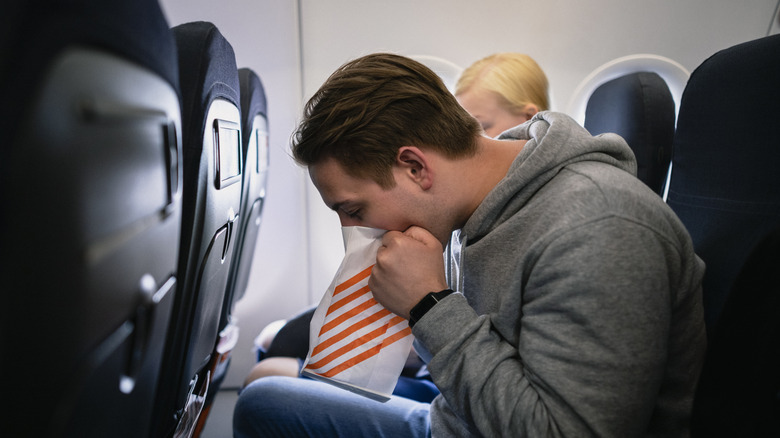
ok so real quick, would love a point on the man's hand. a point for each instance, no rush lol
(408, 266)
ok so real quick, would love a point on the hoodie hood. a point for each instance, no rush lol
(555, 141)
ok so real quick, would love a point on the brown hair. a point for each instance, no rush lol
(372, 106)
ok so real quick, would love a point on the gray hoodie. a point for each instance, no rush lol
(580, 312)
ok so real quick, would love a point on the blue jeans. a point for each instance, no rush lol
(295, 407)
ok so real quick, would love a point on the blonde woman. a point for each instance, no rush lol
(502, 91)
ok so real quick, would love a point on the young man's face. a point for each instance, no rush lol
(363, 202)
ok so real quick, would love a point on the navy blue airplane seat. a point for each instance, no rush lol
(211, 198)
(254, 130)
(90, 194)
(725, 182)
(640, 108)
(739, 388)
(254, 147)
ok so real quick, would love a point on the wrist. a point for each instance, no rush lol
(426, 304)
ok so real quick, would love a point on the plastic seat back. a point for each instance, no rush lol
(90, 187)
(211, 197)
(254, 135)
(254, 125)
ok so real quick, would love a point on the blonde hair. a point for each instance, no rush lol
(515, 77)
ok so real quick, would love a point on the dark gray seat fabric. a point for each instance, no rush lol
(89, 184)
(640, 108)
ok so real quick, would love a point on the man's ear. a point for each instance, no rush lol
(416, 165)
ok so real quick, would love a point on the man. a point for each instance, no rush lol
(577, 304)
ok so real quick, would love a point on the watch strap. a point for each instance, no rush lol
(426, 304)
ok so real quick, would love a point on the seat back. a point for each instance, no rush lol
(211, 198)
(254, 135)
(254, 141)
(640, 108)
(739, 388)
(90, 188)
(724, 181)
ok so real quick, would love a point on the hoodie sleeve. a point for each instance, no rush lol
(590, 342)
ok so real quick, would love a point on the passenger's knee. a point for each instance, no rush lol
(267, 335)
(273, 366)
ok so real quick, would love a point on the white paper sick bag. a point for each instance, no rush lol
(354, 342)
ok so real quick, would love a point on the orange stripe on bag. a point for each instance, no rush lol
(348, 299)
(347, 315)
(349, 347)
(368, 354)
(349, 330)
(363, 340)
(353, 281)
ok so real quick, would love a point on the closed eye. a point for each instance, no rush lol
(354, 214)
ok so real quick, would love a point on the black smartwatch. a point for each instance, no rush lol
(425, 304)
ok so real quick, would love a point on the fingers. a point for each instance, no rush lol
(422, 235)
(408, 265)
(418, 234)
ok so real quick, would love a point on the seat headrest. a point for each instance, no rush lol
(208, 71)
(133, 29)
(252, 100)
(729, 114)
(640, 108)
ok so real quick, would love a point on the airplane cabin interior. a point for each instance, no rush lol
(154, 221)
